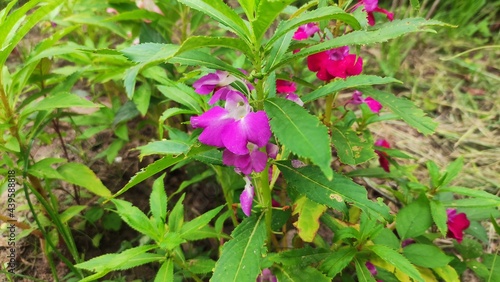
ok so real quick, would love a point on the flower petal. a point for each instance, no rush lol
(246, 198)
(373, 104)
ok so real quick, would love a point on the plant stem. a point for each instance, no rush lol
(328, 108)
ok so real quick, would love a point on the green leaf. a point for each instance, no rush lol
(176, 216)
(100, 21)
(415, 4)
(414, 219)
(109, 262)
(425, 255)
(309, 181)
(200, 265)
(146, 55)
(135, 218)
(301, 257)
(192, 226)
(351, 148)
(163, 147)
(308, 221)
(219, 11)
(434, 173)
(71, 212)
(362, 272)
(267, 11)
(384, 32)
(142, 97)
(438, 212)
(404, 108)
(320, 14)
(396, 259)
(452, 171)
(198, 58)
(301, 132)
(182, 95)
(83, 176)
(471, 203)
(296, 274)
(448, 273)
(166, 272)
(278, 50)
(338, 260)
(161, 165)
(387, 238)
(240, 258)
(57, 101)
(480, 194)
(469, 248)
(350, 82)
(158, 202)
(196, 42)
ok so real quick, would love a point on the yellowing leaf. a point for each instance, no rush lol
(309, 213)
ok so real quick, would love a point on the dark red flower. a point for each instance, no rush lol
(371, 6)
(335, 63)
(457, 223)
(383, 158)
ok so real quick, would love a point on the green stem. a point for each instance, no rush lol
(328, 108)
(228, 193)
(265, 191)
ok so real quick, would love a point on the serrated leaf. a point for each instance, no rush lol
(308, 222)
(301, 132)
(362, 272)
(351, 148)
(221, 12)
(58, 101)
(309, 181)
(135, 218)
(338, 260)
(387, 238)
(200, 265)
(240, 258)
(296, 274)
(301, 257)
(196, 42)
(320, 14)
(438, 212)
(166, 272)
(405, 109)
(163, 147)
(70, 212)
(83, 176)
(425, 255)
(452, 171)
(158, 202)
(267, 11)
(160, 165)
(142, 97)
(176, 216)
(278, 50)
(399, 261)
(350, 82)
(109, 262)
(100, 21)
(198, 58)
(448, 273)
(414, 219)
(182, 95)
(384, 32)
(194, 225)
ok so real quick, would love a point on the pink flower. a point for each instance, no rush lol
(371, 268)
(383, 158)
(286, 89)
(373, 104)
(335, 63)
(266, 276)
(371, 6)
(148, 5)
(246, 197)
(234, 126)
(254, 161)
(208, 83)
(457, 223)
(306, 31)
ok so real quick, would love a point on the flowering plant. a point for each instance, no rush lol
(284, 116)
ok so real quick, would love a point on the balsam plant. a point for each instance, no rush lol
(260, 100)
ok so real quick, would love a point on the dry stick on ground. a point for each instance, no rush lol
(21, 225)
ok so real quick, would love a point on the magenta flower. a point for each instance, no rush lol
(371, 268)
(305, 31)
(254, 161)
(383, 158)
(286, 89)
(148, 5)
(371, 6)
(457, 223)
(335, 63)
(373, 104)
(208, 83)
(246, 197)
(234, 126)
(266, 276)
